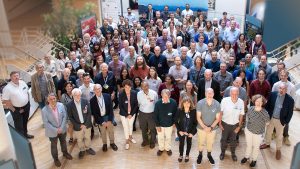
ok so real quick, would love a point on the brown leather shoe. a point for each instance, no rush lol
(264, 146)
(278, 155)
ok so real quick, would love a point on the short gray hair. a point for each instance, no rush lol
(166, 91)
(75, 91)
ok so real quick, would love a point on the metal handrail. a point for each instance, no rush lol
(56, 43)
(279, 50)
(293, 67)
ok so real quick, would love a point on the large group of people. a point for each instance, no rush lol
(171, 71)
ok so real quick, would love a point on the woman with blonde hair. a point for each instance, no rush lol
(186, 123)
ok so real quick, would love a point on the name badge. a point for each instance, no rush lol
(169, 114)
(24, 88)
(85, 109)
(105, 86)
(159, 65)
(126, 101)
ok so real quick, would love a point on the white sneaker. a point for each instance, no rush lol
(133, 141)
(126, 146)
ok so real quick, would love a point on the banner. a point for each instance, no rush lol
(88, 25)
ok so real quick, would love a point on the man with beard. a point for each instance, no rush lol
(139, 69)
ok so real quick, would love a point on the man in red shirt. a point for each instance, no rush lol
(139, 69)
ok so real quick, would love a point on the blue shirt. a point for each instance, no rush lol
(214, 66)
(231, 36)
(196, 38)
(187, 62)
(248, 74)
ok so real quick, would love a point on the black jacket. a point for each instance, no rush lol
(96, 110)
(110, 81)
(179, 122)
(73, 114)
(214, 85)
(286, 112)
(123, 103)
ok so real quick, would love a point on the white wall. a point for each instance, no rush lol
(7, 151)
(232, 7)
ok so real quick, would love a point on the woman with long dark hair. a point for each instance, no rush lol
(170, 84)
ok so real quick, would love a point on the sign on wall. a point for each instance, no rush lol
(88, 25)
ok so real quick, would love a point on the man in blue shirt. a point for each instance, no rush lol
(232, 34)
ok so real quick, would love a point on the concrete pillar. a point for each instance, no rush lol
(5, 37)
(7, 150)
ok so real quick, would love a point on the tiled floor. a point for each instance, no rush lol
(137, 157)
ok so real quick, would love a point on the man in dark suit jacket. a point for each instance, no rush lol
(280, 107)
(103, 115)
(106, 28)
(79, 112)
(211, 83)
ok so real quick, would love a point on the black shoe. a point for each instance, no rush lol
(159, 153)
(211, 160)
(180, 159)
(199, 159)
(169, 152)
(115, 106)
(187, 159)
(91, 151)
(144, 143)
(114, 146)
(104, 147)
(57, 163)
(222, 155)
(81, 154)
(152, 146)
(234, 157)
(253, 164)
(29, 136)
(71, 141)
(68, 156)
(114, 123)
(244, 160)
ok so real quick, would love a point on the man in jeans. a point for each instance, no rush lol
(55, 121)
(208, 113)
(146, 100)
(164, 115)
(232, 112)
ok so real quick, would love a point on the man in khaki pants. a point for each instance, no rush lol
(208, 112)
(280, 107)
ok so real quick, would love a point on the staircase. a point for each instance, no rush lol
(30, 45)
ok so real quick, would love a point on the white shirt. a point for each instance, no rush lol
(193, 55)
(147, 101)
(290, 87)
(101, 104)
(79, 111)
(232, 111)
(185, 12)
(17, 94)
(170, 56)
(87, 91)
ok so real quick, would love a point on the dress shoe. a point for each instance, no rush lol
(104, 147)
(29, 136)
(57, 163)
(222, 155)
(159, 153)
(169, 152)
(81, 154)
(278, 155)
(253, 164)
(264, 146)
(115, 123)
(144, 143)
(68, 156)
(114, 146)
(244, 160)
(286, 141)
(186, 159)
(152, 146)
(199, 159)
(91, 151)
(180, 159)
(211, 160)
(234, 157)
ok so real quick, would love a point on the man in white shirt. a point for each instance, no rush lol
(193, 53)
(87, 88)
(232, 112)
(187, 11)
(16, 98)
(146, 100)
(170, 53)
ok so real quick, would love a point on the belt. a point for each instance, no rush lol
(22, 107)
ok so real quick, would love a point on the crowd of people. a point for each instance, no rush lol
(171, 71)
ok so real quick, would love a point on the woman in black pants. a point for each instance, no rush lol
(186, 123)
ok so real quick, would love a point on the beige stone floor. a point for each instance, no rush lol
(137, 157)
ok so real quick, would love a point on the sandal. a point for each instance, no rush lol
(180, 159)
(71, 141)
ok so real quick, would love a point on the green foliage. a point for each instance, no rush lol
(62, 24)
